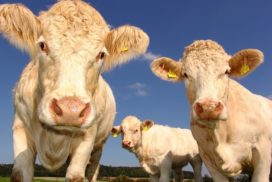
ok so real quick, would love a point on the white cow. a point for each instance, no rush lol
(160, 149)
(232, 126)
(64, 109)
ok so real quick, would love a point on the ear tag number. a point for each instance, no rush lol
(245, 69)
(171, 74)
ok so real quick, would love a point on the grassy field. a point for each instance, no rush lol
(54, 179)
(7, 179)
(45, 179)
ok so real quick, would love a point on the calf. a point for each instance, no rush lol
(232, 126)
(160, 148)
(64, 109)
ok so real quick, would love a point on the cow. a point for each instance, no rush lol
(231, 125)
(64, 109)
(160, 149)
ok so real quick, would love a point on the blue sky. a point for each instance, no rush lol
(171, 25)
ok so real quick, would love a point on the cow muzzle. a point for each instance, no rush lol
(127, 144)
(69, 111)
(209, 110)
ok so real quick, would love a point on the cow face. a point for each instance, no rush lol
(70, 45)
(131, 130)
(206, 68)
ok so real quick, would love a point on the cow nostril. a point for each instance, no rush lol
(85, 111)
(126, 143)
(219, 106)
(56, 108)
(198, 108)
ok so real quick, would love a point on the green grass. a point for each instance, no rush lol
(4, 179)
(7, 179)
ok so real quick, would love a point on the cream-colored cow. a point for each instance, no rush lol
(63, 107)
(160, 149)
(232, 126)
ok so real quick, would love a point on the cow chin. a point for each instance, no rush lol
(129, 148)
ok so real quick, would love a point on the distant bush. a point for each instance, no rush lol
(207, 179)
(122, 178)
(142, 180)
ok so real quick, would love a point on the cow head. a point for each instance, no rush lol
(70, 45)
(206, 67)
(131, 129)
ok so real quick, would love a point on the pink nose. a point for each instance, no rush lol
(126, 143)
(69, 111)
(208, 109)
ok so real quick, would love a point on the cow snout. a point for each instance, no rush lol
(69, 111)
(208, 109)
(126, 144)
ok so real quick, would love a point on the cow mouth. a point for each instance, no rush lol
(207, 119)
(127, 147)
(64, 129)
(207, 123)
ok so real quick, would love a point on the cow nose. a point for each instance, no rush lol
(69, 111)
(126, 143)
(208, 109)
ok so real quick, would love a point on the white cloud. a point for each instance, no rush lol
(149, 56)
(139, 89)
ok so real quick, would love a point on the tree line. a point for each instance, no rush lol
(105, 171)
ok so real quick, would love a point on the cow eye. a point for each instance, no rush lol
(101, 55)
(227, 72)
(185, 75)
(43, 46)
(136, 130)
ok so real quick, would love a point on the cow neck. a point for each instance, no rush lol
(138, 150)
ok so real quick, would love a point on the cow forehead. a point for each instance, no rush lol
(205, 55)
(130, 122)
(73, 25)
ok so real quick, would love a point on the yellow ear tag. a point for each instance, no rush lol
(115, 135)
(171, 74)
(245, 69)
(145, 128)
(125, 49)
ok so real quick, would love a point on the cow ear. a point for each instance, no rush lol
(115, 131)
(167, 69)
(20, 26)
(146, 125)
(245, 61)
(123, 44)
